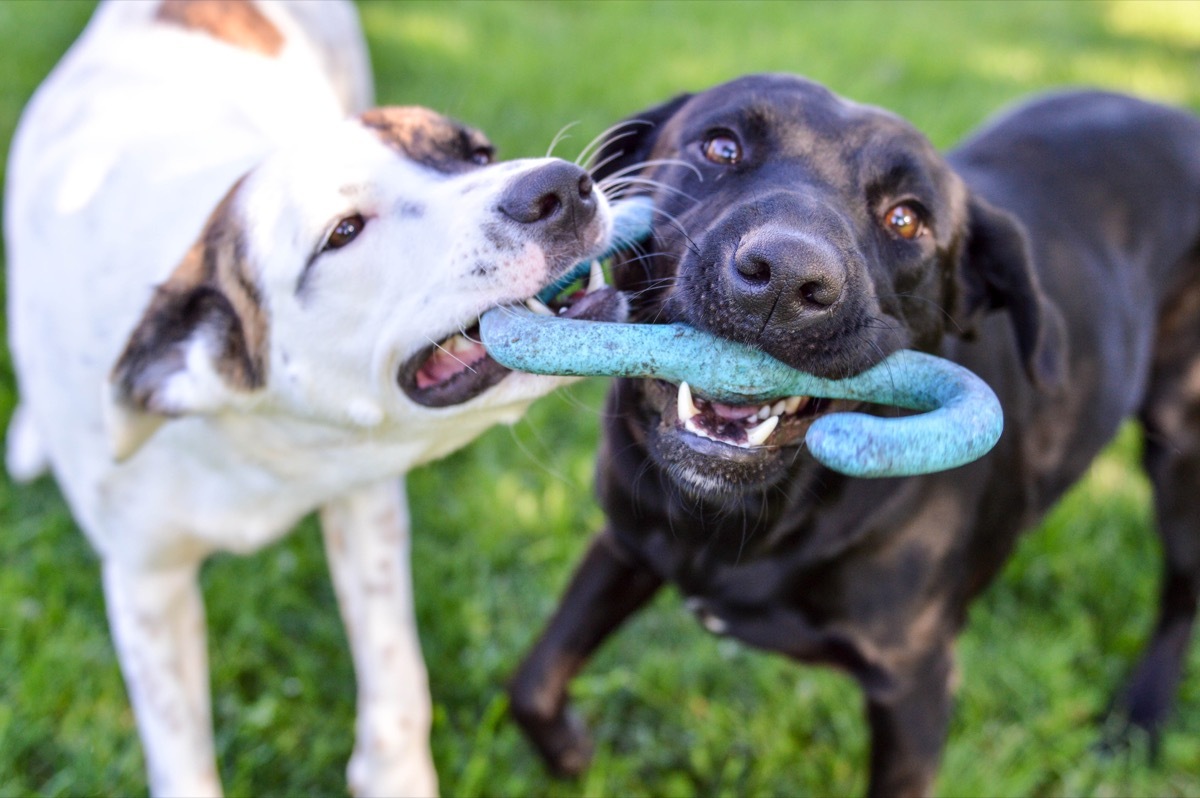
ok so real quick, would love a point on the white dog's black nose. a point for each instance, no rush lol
(558, 195)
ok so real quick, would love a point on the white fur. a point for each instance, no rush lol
(117, 163)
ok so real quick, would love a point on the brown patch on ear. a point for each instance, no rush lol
(210, 293)
(235, 22)
(225, 267)
(426, 136)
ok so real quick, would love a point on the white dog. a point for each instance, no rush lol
(231, 305)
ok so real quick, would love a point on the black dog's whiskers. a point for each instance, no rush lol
(674, 224)
(947, 315)
(642, 166)
(618, 188)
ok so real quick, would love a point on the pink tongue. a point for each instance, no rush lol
(732, 412)
(442, 365)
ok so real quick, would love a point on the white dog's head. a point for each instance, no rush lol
(341, 279)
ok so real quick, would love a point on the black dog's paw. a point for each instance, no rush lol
(569, 750)
(1130, 731)
(560, 736)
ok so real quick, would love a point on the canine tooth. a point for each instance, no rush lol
(778, 407)
(685, 407)
(793, 403)
(596, 277)
(757, 436)
(538, 307)
(458, 343)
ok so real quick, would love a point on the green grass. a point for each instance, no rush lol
(499, 526)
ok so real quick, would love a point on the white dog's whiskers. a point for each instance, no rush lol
(560, 136)
(605, 137)
(450, 354)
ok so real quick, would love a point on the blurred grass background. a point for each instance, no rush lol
(499, 526)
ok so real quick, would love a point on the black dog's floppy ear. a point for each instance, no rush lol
(996, 272)
(630, 142)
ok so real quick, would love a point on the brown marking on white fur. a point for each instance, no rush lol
(227, 266)
(212, 286)
(426, 136)
(235, 22)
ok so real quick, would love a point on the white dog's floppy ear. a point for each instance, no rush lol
(200, 344)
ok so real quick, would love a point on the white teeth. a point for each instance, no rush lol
(538, 307)
(596, 277)
(685, 407)
(458, 344)
(763, 413)
(777, 408)
(793, 404)
(757, 436)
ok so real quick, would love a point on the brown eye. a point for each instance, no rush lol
(482, 156)
(904, 221)
(723, 149)
(345, 231)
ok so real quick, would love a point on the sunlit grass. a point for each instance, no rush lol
(500, 525)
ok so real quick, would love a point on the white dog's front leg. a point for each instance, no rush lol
(367, 542)
(157, 620)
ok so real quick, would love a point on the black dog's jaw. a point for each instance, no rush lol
(1057, 255)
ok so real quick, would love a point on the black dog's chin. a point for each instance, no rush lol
(711, 471)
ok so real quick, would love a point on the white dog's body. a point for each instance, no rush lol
(291, 302)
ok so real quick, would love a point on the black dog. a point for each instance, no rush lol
(1056, 254)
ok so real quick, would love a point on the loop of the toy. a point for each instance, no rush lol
(959, 421)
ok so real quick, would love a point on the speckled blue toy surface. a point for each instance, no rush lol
(960, 418)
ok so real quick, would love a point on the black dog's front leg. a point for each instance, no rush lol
(909, 721)
(606, 589)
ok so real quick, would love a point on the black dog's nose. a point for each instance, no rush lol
(558, 194)
(784, 275)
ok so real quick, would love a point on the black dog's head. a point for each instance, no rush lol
(827, 233)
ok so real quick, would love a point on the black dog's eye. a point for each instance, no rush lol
(345, 231)
(482, 156)
(904, 220)
(722, 148)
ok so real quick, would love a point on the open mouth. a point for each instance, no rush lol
(458, 368)
(781, 422)
(773, 424)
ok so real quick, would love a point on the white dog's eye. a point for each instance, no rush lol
(344, 232)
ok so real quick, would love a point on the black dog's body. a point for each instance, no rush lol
(782, 246)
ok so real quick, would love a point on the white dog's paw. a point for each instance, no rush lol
(392, 760)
